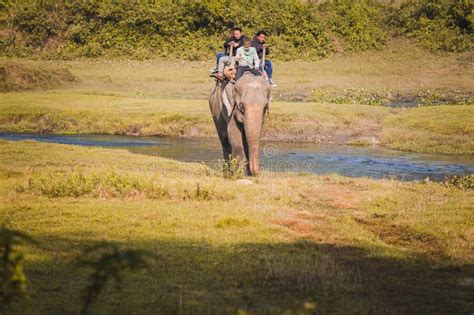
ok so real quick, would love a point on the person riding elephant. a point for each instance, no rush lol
(248, 60)
(221, 54)
(236, 41)
(259, 42)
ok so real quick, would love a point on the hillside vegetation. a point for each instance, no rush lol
(195, 29)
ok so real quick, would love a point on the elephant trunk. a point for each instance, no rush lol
(253, 128)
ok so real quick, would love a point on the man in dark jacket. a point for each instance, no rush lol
(259, 42)
(236, 41)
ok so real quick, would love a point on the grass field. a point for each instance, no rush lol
(401, 68)
(440, 129)
(283, 243)
(288, 242)
(168, 98)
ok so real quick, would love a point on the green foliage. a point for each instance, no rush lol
(185, 29)
(229, 222)
(108, 262)
(461, 182)
(63, 184)
(196, 29)
(361, 96)
(437, 24)
(427, 97)
(77, 183)
(352, 96)
(231, 168)
(199, 194)
(359, 22)
(12, 277)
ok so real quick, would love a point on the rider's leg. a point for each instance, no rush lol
(269, 68)
(254, 72)
(240, 72)
(218, 57)
(222, 62)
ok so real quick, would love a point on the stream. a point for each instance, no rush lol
(372, 161)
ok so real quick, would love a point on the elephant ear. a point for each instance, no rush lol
(238, 110)
(228, 101)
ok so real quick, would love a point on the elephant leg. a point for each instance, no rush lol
(221, 127)
(236, 134)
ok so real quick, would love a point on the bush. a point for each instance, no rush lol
(461, 182)
(13, 280)
(194, 30)
(437, 24)
(111, 184)
(186, 29)
(358, 21)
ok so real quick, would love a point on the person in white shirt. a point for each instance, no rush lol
(248, 60)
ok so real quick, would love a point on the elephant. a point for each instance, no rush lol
(238, 111)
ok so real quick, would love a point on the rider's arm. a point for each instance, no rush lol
(238, 55)
(226, 43)
(256, 60)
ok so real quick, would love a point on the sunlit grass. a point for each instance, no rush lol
(168, 98)
(439, 129)
(401, 67)
(219, 244)
(434, 129)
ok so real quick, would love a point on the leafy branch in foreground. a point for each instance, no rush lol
(108, 261)
(12, 277)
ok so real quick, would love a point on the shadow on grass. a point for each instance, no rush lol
(191, 277)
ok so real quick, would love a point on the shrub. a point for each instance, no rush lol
(437, 24)
(461, 182)
(359, 22)
(111, 184)
(352, 96)
(12, 277)
(200, 194)
(70, 184)
(195, 30)
(185, 29)
(230, 168)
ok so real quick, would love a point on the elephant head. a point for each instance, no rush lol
(251, 96)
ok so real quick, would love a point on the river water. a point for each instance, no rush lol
(373, 161)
